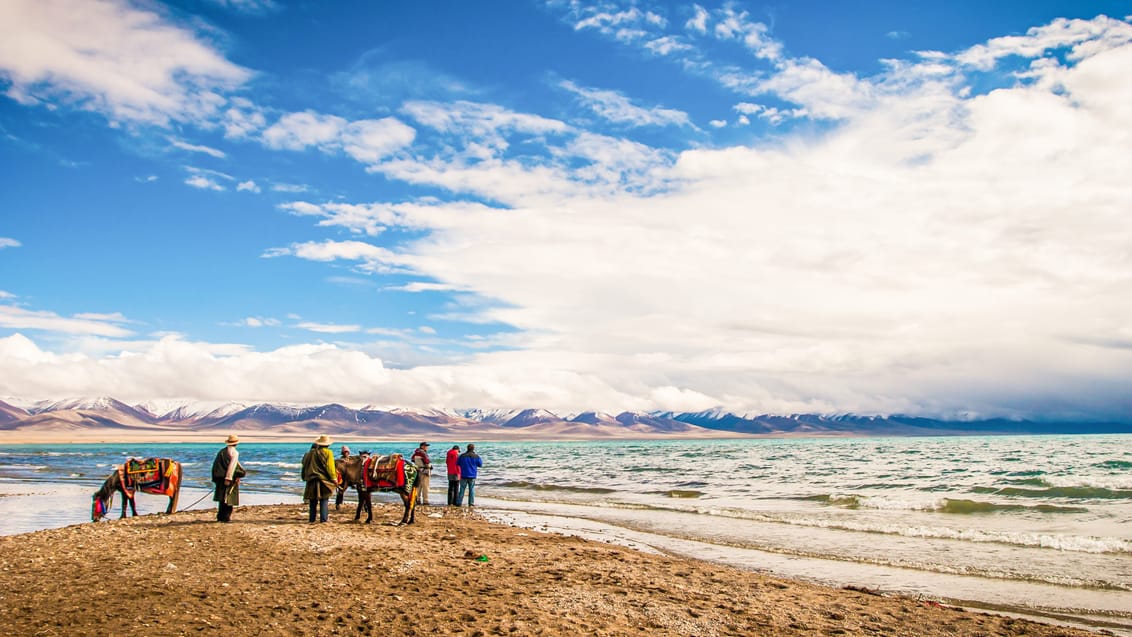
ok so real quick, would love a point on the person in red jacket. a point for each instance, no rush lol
(453, 474)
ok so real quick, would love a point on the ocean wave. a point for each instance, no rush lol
(682, 493)
(281, 465)
(1067, 492)
(942, 505)
(962, 506)
(1115, 464)
(523, 484)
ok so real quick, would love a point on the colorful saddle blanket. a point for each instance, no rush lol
(151, 475)
(388, 472)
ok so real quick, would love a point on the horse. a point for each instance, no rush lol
(158, 476)
(352, 473)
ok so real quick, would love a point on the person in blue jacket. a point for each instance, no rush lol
(469, 463)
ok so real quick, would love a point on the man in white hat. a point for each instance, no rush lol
(321, 477)
(226, 474)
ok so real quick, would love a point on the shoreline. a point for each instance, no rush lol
(425, 578)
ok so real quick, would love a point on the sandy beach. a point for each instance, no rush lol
(269, 572)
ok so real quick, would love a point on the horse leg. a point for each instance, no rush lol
(365, 501)
(410, 501)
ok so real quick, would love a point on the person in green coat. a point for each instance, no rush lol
(321, 477)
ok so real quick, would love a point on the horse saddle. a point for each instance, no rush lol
(384, 472)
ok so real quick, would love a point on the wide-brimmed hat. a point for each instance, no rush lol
(323, 441)
(232, 439)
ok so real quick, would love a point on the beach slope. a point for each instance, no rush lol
(269, 572)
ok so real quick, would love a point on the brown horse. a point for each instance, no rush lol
(159, 476)
(352, 472)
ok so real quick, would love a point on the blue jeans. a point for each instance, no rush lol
(323, 509)
(470, 485)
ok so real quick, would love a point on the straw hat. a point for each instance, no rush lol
(233, 439)
(323, 441)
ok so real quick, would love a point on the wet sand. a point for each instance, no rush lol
(269, 572)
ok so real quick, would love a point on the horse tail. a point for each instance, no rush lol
(175, 479)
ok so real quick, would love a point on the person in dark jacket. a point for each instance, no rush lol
(226, 474)
(469, 464)
(321, 477)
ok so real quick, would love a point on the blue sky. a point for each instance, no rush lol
(874, 207)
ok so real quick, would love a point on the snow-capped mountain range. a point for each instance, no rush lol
(278, 419)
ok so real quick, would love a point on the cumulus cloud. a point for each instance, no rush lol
(173, 368)
(938, 253)
(8, 242)
(130, 63)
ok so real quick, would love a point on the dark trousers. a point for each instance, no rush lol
(321, 507)
(453, 490)
(224, 512)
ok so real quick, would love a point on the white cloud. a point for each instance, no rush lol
(4, 294)
(368, 141)
(718, 123)
(126, 62)
(247, 186)
(372, 258)
(421, 286)
(328, 328)
(242, 119)
(203, 182)
(736, 25)
(698, 22)
(8, 242)
(194, 148)
(291, 188)
(258, 321)
(297, 131)
(1081, 37)
(617, 108)
(17, 318)
(248, 6)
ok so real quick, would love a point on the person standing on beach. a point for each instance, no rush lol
(469, 464)
(341, 487)
(424, 466)
(453, 474)
(226, 474)
(320, 476)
